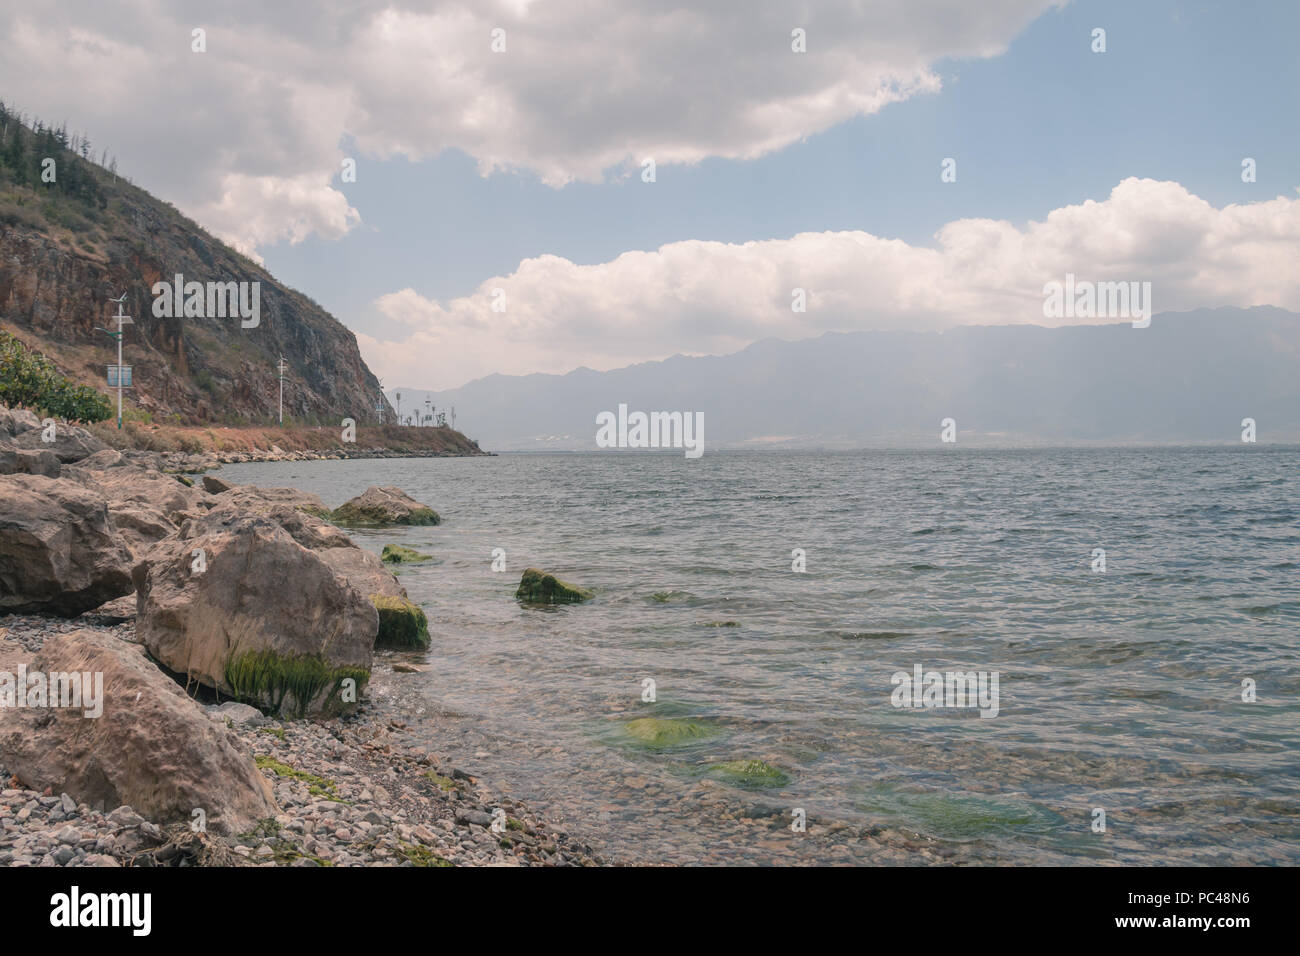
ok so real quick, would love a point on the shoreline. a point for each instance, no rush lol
(352, 791)
(96, 543)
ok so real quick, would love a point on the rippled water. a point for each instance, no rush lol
(1119, 690)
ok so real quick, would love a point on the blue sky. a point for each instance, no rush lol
(1184, 91)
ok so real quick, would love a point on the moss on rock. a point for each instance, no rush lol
(750, 774)
(538, 587)
(662, 732)
(396, 554)
(277, 682)
(401, 623)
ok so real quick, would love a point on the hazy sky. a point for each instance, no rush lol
(522, 170)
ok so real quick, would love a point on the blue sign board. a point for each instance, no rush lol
(122, 371)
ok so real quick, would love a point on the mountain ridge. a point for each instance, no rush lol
(1190, 377)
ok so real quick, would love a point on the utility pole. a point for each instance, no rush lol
(453, 418)
(282, 367)
(118, 374)
(428, 409)
(399, 407)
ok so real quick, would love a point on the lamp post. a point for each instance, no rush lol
(122, 320)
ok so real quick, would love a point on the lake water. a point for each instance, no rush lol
(1119, 690)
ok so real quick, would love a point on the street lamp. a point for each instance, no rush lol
(117, 372)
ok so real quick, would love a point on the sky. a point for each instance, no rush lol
(522, 170)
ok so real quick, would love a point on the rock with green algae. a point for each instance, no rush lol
(664, 732)
(750, 774)
(401, 623)
(396, 554)
(296, 685)
(538, 587)
(379, 507)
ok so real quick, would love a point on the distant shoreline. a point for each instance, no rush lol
(218, 444)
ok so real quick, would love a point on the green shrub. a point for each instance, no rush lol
(29, 379)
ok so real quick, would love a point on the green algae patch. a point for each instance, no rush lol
(401, 624)
(278, 682)
(316, 786)
(659, 732)
(441, 782)
(396, 554)
(417, 855)
(538, 587)
(750, 774)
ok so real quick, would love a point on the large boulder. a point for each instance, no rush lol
(60, 551)
(71, 444)
(261, 500)
(379, 507)
(214, 485)
(152, 747)
(146, 506)
(108, 458)
(15, 421)
(260, 618)
(402, 623)
(24, 461)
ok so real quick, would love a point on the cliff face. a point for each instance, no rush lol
(64, 256)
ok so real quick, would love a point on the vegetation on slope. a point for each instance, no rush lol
(30, 380)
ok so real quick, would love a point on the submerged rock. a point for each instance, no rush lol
(60, 551)
(750, 774)
(152, 747)
(396, 554)
(378, 507)
(664, 732)
(538, 587)
(262, 619)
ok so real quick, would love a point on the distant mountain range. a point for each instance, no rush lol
(1188, 377)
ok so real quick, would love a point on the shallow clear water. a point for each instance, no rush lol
(1119, 690)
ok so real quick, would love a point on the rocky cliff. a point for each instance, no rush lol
(67, 247)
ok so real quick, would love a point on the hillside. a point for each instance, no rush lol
(69, 246)
(1189, 377)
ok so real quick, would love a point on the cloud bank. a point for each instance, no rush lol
(696, 297)
(246, 136)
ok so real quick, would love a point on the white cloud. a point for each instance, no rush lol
(246, 136)
(698, 297)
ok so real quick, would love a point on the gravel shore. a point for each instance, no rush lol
(351, 791)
